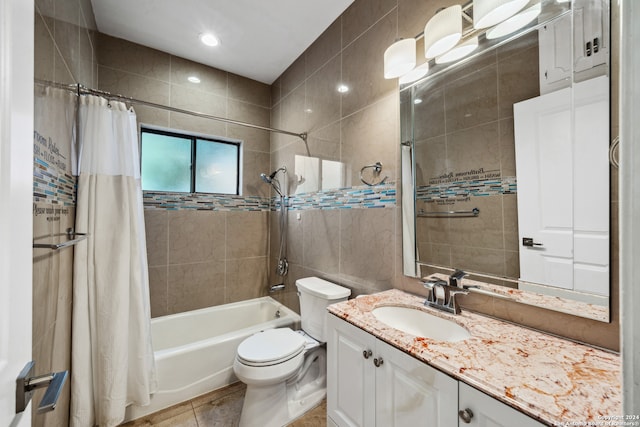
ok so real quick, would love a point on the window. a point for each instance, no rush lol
(175, 162)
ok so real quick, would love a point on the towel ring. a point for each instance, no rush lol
(377, 168)
(614, 152)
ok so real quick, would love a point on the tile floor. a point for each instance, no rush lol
(220, 408)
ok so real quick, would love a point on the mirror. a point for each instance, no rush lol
(507, 156)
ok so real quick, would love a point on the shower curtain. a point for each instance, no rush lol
(112, 362)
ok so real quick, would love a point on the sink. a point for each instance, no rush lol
(419, 323)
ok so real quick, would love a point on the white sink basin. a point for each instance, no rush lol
(421, 324)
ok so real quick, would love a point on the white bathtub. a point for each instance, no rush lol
(194, 351)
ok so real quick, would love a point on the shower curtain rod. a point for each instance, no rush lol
(83, 90)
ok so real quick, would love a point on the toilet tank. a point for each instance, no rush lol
(315, 296)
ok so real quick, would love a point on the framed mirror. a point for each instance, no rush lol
(506, 154)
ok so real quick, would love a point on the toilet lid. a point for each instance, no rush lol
(271, 346)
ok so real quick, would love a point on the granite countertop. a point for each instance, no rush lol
(550, 379)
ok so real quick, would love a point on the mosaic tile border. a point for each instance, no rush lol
(362, 197)
(343, 198)
(476, 188)
(201, 201)
(49, 186)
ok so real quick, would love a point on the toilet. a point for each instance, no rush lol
(285, 371)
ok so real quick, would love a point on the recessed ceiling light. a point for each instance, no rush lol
(308, 110)
(209, 39)
(343, 88)
(417, 101)
(193, 79)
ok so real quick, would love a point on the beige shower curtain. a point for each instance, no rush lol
(112, 358)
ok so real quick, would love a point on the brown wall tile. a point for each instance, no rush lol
(194, 286)
(370, 136)
(212, 81)
(196, 236)
(361, 15)
(362, 66)
(247, 234)
(133, 58)
(324, 47)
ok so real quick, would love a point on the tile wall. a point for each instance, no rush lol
(203, 250)
(64, 52)
(362, 248)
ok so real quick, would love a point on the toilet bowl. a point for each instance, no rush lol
(285, 370)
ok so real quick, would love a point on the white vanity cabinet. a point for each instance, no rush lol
(482, 410)
(370, 383)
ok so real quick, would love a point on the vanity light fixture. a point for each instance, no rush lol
(342, 88)
(416, 74)
(487, 13)
(209, 39)
(515, 22)
(399, 58)
(460, 51)
(443, 31)
(193, 79)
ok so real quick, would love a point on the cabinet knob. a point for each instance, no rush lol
(378, 362)
(465, 415)
(367, 353)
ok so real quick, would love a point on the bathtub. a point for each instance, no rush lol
(194, 351)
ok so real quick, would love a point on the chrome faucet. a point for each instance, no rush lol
(442, 296)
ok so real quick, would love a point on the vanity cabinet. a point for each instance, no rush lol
(488, 411)
(371, 383)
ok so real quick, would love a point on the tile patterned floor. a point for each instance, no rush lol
(220, 408)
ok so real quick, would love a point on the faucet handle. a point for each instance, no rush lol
(456, 278)
(453, 304)
(429, 284)
(429, 287)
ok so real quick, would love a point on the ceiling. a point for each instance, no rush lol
(259, 39)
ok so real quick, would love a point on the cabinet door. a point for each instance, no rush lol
(489, 412)
(554, 41)
(591, 33)
(411, 393)
(350, 374)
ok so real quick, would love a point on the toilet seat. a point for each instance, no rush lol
(271, 347)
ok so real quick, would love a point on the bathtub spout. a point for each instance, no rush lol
(277, 287)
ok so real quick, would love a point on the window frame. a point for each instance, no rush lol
(194, 138)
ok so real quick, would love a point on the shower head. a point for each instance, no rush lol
(266, 178)
(272, 180)
(269, 178)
